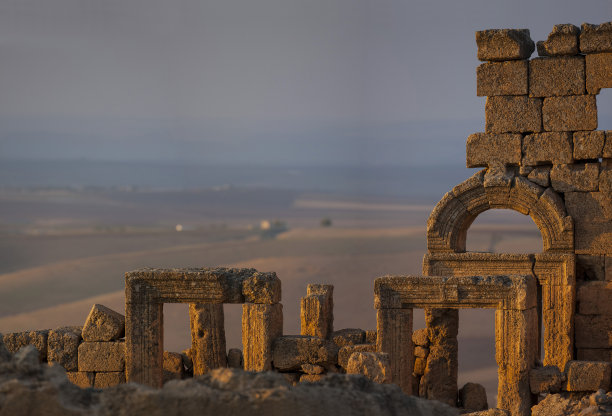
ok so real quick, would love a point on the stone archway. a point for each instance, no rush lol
(500, 187)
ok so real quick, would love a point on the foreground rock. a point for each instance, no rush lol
(30, 388)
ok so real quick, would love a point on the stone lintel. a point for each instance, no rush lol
(204, 285)
(515, 292)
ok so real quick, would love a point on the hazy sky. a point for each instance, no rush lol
(199, 80)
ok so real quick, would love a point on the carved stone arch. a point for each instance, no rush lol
(494, 189)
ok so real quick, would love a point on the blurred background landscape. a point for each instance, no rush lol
(309, 138)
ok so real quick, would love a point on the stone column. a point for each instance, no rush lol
(261, 325)
(440, 379)
(207, 337)
(144, 337)
(516, 347)
(558, 319)
(394, 336)
(317, 311)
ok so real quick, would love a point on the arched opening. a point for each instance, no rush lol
(504, 231)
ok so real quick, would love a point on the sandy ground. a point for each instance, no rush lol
(50, 280)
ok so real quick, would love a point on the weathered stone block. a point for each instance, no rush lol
(421, 351)
(592, 230)
(504, 44)
(563, 40)
(596, 38)
(261, 325)
(312, 369)
(540, 175)
(234, 358)
(63, 347)
(473, 397)
(373, 365)
(513, 114)
(598, 72)
(109, 379)
(549, 77)
(593, 331)
(262, 288)
(575, 177)
(291, 351)
(81, 378)
(590, 267)
(484, 149)
(594, 354)
(173, 366)
(103, 324)
(311, 378)
(588, 375)
(588, 144)
(348, 336)
(594, 298)
(607, 150)
(370, 336)
(547, 148)
(420, 364)
(317, 311)
(345, 352)
(16, 340)
(502, 78)
(547, 379)
(420, 337)
(577, 112)
(206, 321)
(102, 356)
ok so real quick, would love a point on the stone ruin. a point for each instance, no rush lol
(542, 156)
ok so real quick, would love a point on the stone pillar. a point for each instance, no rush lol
(394, 336)
(440, 379)
(144, 336)
(516, 347)
(558, 319)
(317, 311)
(207, 337)
(261, 325)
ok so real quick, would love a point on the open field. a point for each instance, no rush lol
(52, 271)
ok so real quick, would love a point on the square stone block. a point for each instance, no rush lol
(577, 112)
(262, 288)
(549, 77)
(594, 354)
(102, 356)
(582, 177)
(593, 331)
(109, 379)
(589, 267)
(502, 78)
(484, 149)
(504, 44)
(596, 38)
(588, 375)
(103, 324)
(563, 40)
(345, 352)
(592, 230)
(547, 148)
(513, 114)
(588, 144)
(63, 346)
(81, 378)
(598, 72)
(594, 298)
(14, 341)
(607, 150)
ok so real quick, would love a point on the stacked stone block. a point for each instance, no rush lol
(541, 121)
